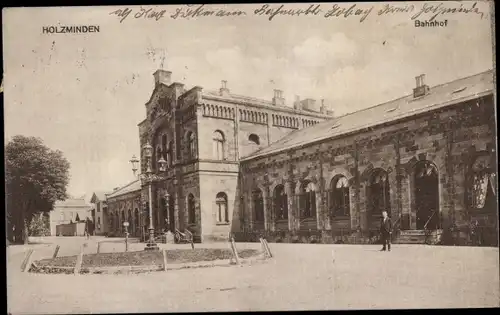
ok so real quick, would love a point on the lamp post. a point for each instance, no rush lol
(125, 225)
(134, 162)
(147, 178)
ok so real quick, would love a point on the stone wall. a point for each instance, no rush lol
(449, 139)
(123, 208)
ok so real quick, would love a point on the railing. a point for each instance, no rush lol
(187, 236)
(396, 228)
(429, 220)
(428, 232)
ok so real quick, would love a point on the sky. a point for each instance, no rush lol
(84, 94)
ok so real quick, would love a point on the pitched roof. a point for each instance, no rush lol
(439, 96)
(130, 187)
(72, 203)
(99, 196)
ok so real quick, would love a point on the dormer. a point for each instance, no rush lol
(421, 88)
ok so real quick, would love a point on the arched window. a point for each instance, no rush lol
(280, 203)
(482, 184)
(254, 139)
(307, 199)
(379, 193)
(222, 212)
(339, 196)
(258, 205)
(218, 145)
(191, 145)
(170, 153)
(164, 148)
(158, 156)
(191, 209)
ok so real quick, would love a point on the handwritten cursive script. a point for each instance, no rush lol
(191, 11)
(338, 11)
(313, 9)
(441, 9)
(188, 12)
(142, 13)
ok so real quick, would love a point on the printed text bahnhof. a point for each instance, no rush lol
(70, 29)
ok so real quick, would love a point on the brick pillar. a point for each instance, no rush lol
(447, 184)
(289, 197)
(327, 223)
(265, 196)
(249, 209)
(406, 219)
(319, 209)
(393, 193)
(356, 203)
(398, 178)
(353, 203)
(362, 206)
(271, 210)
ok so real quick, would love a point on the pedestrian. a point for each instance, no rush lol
(386, 231)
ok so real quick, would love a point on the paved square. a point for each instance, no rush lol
(299, 277)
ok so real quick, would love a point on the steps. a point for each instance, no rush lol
(418, 237)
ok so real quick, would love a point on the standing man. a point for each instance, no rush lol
(386, 231)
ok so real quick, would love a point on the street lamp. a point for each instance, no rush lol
(134, 162)
(125, 225)
(147, 178)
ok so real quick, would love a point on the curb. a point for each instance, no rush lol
(147, 268)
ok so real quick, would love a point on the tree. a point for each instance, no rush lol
(39, 225)
(36, 177)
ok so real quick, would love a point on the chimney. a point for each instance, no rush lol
(325, 108)
(224, 91)
(309, 104)
(322, 108)
(162, 77)
(296, 103)
(421, 88)
(278, 98)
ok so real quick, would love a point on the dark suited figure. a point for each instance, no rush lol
(385, 231)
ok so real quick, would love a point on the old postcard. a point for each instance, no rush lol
(251, 157)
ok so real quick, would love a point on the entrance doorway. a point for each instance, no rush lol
(427, 196)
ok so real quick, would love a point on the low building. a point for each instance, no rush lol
(428, 158)
(99, 212)
(124, 204)
(69, 211)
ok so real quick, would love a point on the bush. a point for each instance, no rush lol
(39, 226)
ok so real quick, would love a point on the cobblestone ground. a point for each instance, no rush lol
(299, 277)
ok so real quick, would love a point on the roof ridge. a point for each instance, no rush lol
(409, 95)
(479, 85)
(123, 187)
